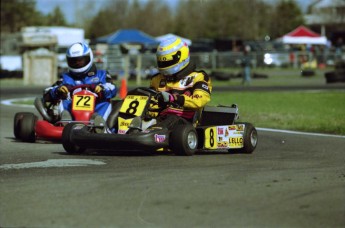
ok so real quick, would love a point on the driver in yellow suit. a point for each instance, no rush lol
(182, 89)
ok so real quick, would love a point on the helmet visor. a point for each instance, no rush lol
(168, 63)
(78, 62)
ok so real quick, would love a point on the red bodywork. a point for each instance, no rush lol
(83, 106)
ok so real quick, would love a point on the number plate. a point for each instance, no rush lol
(134, 105)
(83, 102)
(229, 136)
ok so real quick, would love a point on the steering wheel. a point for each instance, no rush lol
(153, 101)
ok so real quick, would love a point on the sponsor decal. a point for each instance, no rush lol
(159, 138)
(240, 127)
(197, 96)
(232, 127)
(95, 80)
(121, 131)
(222, 144)
(186, 81)
(204, 86)
(220, 131)
(126, 124)
(236, 140)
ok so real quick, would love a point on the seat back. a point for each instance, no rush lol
(218, 115)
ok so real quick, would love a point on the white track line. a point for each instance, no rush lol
(299, 132)
(53, 163)
(9, 102)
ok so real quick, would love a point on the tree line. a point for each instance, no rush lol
(194, 19)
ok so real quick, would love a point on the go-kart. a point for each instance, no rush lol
(28, 127)
(213, 129)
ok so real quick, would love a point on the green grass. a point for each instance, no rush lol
(276, 77)
(322, 112)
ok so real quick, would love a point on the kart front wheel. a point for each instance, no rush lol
(27, 127)
(67, 143)
(184, 140)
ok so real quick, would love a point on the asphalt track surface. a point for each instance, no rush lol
(291, 180)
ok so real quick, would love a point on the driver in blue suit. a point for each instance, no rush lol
(82, 71)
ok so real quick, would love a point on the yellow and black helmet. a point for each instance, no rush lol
(172, 56)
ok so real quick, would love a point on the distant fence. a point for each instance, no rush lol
(216, 60)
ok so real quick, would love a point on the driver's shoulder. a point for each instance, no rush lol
(200, 76)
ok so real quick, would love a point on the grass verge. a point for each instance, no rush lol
(321, 112)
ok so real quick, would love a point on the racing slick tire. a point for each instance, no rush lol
(27, 127)
(183, 140)
(17, 123)
(67, 144)
(250, 140)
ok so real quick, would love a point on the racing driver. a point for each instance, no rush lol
(82, 71)
(182, 89)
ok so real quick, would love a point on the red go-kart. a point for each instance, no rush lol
(28, 127)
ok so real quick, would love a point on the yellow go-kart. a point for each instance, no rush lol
(137, 129)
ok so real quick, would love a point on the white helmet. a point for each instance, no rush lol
(79, 58)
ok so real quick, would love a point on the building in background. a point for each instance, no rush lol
(328, 18)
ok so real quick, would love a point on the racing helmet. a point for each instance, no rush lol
(79, 58)
(172, 56)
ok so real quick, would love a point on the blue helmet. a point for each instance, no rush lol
(79, 58)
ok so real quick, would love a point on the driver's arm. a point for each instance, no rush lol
(65, 81)
(200, 97)
(109, 87)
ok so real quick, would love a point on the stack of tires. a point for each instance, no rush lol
(221, 76)
(338, 75)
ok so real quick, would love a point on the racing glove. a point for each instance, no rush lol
(165, 98)
(98, 88)
(62, 92)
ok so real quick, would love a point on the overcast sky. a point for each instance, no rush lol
(69, 6)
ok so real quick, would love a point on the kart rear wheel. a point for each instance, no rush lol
(67, 144)
(27, 128)
(250, 140)
(184, 140)
(17, 123)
